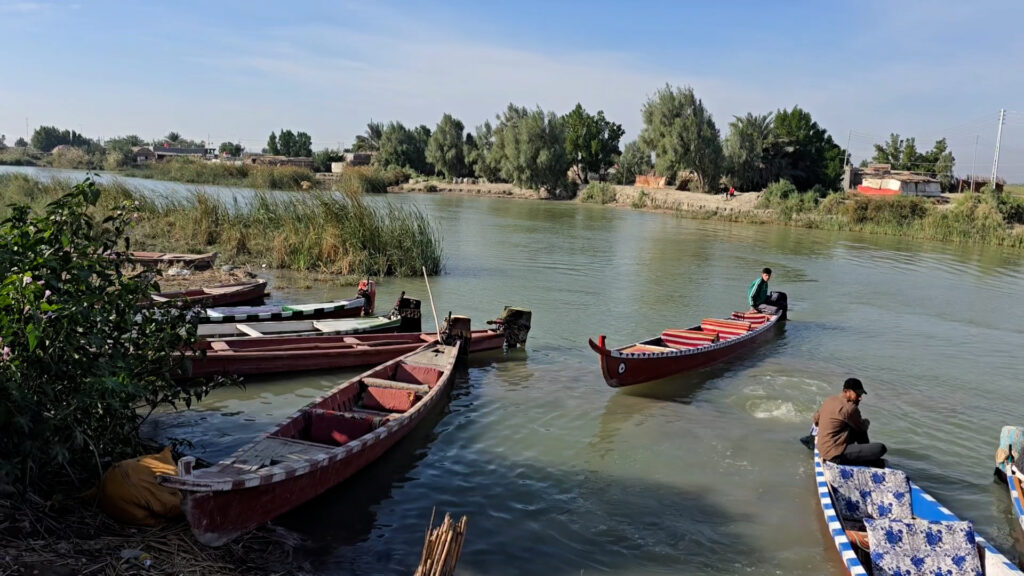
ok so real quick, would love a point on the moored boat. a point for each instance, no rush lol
(318, 447)
(882, 523)
(194, 261)
(678, 351)
(361, 305)
(218, 295)
(270, 354)
(1011, 445)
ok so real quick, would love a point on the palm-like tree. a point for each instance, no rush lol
(369, 141)
(752, 151)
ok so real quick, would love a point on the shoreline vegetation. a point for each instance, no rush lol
(318, 231)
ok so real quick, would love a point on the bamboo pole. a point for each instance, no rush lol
(441, 547)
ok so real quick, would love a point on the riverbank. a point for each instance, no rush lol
(956, 218)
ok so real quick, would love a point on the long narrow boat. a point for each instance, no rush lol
(271, 354)
(219, 295)
(882, 523)
(361, 305)
(321, 445)
(678, 351)
(1011, 446)
(337, 327)
(194, 261)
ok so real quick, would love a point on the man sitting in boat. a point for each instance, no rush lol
(760, 299)
(843, 433)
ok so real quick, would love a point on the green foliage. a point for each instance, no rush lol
(20, 156)
(598, 193)
(175, 140)
(634, 161)
(591, 143)
(73, 158)
(322, 159)
(478, 153)
(363, 181)
(81, 366)
(808, 156)
(46, 138)
(123, 144)
(195, 171)
(446, 148)
(230, 149)
(752, 152)
(369, 141)
(402, 147)
(639, 201)
(681, 132)
(529, 147)
(431, 187)
(20, 143)
(898, 211)
(902, 154)
(291, 144)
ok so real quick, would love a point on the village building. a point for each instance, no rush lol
(142, 154)
(880, 180)
(165, 152)
(271, 160)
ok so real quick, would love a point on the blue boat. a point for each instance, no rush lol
(883, 524)
(1011, 443)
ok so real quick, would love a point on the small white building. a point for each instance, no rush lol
(899, 184)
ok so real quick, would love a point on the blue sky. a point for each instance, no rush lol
(236, 71)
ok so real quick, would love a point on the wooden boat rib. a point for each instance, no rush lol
(319, 446)
(219, 295)
(194, 261)
(337, 327)
(268, 355)
(924, 507)
(654, 359)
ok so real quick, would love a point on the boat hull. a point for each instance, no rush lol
(319, 353)
(194, 261)
(621, 369)
(223, 295)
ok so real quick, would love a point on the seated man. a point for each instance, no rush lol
(758, 297)
(843, 433)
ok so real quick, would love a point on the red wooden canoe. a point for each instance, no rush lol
(194, 261)
(272, 354)
(678, 351)
(219, 295)
(318, 447)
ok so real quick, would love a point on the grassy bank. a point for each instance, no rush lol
(320, 231)
(193, 171)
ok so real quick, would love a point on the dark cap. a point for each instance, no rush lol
(855, 385)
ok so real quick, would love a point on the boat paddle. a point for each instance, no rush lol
(437, 326)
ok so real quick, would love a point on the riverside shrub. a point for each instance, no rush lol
(81, 366)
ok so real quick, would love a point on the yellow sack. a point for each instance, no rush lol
(129, 492)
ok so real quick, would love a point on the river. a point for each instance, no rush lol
(702, 474)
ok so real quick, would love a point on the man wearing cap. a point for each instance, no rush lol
(843, 433)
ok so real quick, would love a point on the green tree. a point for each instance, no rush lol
(418, 162)
(683, 136)
(322, 159)
(272, 146)
(529, 147)
(446, 147)
(634, 161)
(123, 144)
(303, 147)
(286, 142)
(402, 147)
(46, 138)
(591, 143)
(81, 365)
(752, 154)
(902, 154)
(3, 141)
(20, 143)
(369, 141)
(173, 137)
(479, 156)
(809, 157)
(230, 149)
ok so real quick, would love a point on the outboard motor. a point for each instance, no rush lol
(514, 323)
(779, 301)
(457, 328)
(408, 309)
(368, 292)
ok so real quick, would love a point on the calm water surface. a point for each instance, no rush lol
(703, 474)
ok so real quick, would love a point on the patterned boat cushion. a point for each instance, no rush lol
(688, 338)
(755, 319)
(726, 328)
(862, 492)
(910, 547)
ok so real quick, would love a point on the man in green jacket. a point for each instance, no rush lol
(758, 293)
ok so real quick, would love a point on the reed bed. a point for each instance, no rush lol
(193, 171)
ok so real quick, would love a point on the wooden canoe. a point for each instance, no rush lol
(194, 261)
(219, 295)
(337, 327)
(654, 359)
(850, 537)
(275, 354)
(318, 447)
(351, 308)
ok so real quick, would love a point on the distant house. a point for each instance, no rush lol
(165, 152)
(351, 159)
(142, 154)
(878, 180)
(269, 160)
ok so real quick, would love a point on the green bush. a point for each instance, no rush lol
(896, 211)
(362, 181)
(639, 201)
(19, 156)
(598, 193)
(81, 366)
(196, 171)
(431, 187)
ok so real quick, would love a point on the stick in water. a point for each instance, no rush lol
(437, 326)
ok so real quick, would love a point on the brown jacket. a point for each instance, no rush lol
(839, 424)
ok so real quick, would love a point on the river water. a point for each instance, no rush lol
(702, 474)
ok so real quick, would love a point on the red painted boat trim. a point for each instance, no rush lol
(627, 369)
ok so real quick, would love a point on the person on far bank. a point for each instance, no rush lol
(843, 432)
(757, 296)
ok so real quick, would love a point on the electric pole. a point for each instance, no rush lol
(999, 137)
(974, 163)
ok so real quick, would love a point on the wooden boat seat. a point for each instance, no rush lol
(220, 346)
(755, 319)
(685, 339)
(395, 385)
(645, 349)
(726, 328)
(275, 450)
(360, 412)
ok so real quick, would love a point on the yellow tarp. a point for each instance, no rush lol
(130, 494)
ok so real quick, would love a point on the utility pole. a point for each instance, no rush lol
(974, 163)
(846, 159)
(999, 138)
